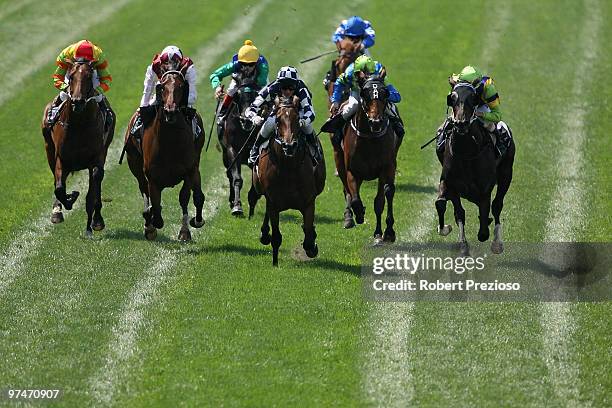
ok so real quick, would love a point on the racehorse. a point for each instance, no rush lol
(238, 129)
(370, 152)
(77, 141)
(285, 176)
(348, 51)
(471, 170)
(168, 155)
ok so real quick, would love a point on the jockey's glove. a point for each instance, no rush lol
(257, 120)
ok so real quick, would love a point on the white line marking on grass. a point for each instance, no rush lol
(566, 215)
(389, 380)
(81, 19)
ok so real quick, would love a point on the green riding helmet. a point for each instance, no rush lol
(468, 74)
(366, 64)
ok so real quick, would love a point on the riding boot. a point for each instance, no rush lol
(190, 115)
(254, 153)
(398, 128)
(339, 133)
(52, 114)
(499, 145)
(109, 115)
(335, 125)
(313, 146)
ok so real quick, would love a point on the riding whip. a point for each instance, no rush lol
(318, 56)
(243, 146)
(427, 144)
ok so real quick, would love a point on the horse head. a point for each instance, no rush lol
(173, 91)
(463, 100)
(374, 95)
(348, 50)
(81, 83)
(287, 123)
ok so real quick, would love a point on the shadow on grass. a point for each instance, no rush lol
(415, 188)
(138, 235)
(319, 219)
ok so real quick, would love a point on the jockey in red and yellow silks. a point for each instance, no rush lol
(89, 51)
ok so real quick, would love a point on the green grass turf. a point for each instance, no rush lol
(225, 327)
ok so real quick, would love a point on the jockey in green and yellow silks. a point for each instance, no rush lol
(488, 109)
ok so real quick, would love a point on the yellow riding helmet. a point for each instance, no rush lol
(248, 53)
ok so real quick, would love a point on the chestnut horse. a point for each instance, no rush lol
(168, 156)
(286, 177)
(78, 141)
(348, 51)
(470, 170)
(370, 152)
(238, 128)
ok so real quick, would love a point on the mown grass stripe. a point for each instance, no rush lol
(389, 376)
(566, 216)
(81, 19)
(12, 7)
(125, 335)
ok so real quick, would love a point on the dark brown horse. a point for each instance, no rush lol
(78, 141)
(286, 177)
(470, 170)
(238, 128)
(370, 152)
(168, 156)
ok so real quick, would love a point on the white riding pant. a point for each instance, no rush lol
(270, 124)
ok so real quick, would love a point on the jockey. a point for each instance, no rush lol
(86, 50)
(247, 65)
(170, 59)
(362, 65)
(287, 84)
(487, 111)
(357, 29)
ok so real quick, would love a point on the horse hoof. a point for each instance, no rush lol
(265, 239)
(445, 231)
(312, 252)
(57, 218)
(378, 240)
(88, 234)
(484, 236)
(159, 224)
(195, 224)
(389, 236)
(349, 223)
(184, 235)
(497, 247)
(237, 211)
(98, 225)
(150, 233)
(464, 249)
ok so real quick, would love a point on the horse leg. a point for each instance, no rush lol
(198, 199)
(155, 196)
(484, 208)
(253, 198)
(56, 213)
(341, 170)
(90, 201)
(504, 178)
(265, 237)
(237, 186)
(184, 196)
(443, 229)
(60, 186)
(390, 221)
(277, 237)
(98, 176)
(226, 162)
(150, 231)
(310, 234)
(460, 220)
(379, 207)
(356, 204)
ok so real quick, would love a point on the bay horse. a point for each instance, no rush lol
(471, 170)
(168, 155)
(78, 141)
(370, 152)
(348, 51)
(285, 176)
(237, 130)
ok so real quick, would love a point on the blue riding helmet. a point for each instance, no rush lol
(355, 27)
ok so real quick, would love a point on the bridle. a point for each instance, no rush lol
(378, 92)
